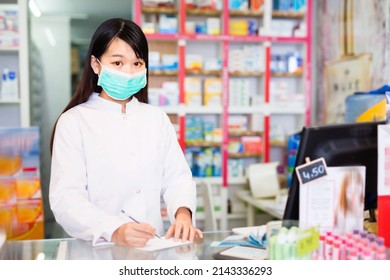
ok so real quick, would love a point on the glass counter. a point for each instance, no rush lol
(76, 249)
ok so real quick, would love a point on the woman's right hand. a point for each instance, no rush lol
(133, 234)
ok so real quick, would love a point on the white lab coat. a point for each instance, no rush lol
(105, 161)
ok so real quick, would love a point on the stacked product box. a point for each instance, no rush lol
(245, 144)
(167, 95)
(239, 92)
(212, 92)
(204, 162)
(21, 207)
(9, 27)
(193, 91)
(249, 58)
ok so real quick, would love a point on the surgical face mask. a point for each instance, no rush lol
(119, 85)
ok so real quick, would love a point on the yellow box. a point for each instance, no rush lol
(212, 92)
(193, 99)
(27, 231)
(29, 211)
(9, 165)
(28, 188)
(193, 91)
(29, 216)
(8, 218)
(7, 191)
(23, 220)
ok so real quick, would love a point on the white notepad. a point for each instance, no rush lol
(247, 253)
(156, 244)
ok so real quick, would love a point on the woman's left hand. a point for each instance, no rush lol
(183, 227)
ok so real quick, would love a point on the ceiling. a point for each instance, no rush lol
(86, 15)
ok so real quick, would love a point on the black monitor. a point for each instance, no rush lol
(340, 145)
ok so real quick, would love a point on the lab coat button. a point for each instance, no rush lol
(138, 191)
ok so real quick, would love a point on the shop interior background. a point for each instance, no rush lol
(65, 24)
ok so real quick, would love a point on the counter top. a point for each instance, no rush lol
(76, 249)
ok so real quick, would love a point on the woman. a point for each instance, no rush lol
(113, 155)
(350, 203)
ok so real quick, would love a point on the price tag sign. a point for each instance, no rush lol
(311, 170)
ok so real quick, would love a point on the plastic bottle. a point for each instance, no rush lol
(217, 162)
(4, 84)
(280, 246)
(353, 254)
(9, 85)
(348, 246)
(292, 237)
(328, 248)
(208, 158)
(381, 253)
(336, 250)
(343, 249)
(13, 82)
(321, 248)
(367, 254)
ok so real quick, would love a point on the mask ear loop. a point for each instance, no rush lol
(101, 66)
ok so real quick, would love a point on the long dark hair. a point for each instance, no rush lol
(125, 30)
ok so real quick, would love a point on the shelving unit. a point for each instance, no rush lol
(220, 44)
(16, 113)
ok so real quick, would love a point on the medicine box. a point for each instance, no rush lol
(193, 91)
(212, 92)
(194, 62)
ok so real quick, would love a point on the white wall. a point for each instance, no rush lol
(50, 81)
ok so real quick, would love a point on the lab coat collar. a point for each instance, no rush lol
(105, 104)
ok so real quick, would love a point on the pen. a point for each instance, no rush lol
(136, 221)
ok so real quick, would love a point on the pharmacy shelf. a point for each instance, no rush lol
(245, 133)
(266, 108)
(277, 108)
(287, 74)
(246, 74)
(6, 49)
(202, 144)
(159, 10)
(202, 110)
(275, 144)
(269, 38)
(283, 108)
(10, 101)
(203, 73)
(162, 36)
(17, 112)
(248, 110)
(218, 180)
(244, 155)
(193, 110)
(288, 15)
(203, 12)
(275, 14)
(163, 73)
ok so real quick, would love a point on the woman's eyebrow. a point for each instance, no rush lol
(117, 55)
(122, 56)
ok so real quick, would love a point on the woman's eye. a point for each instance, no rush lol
(138, 63)
(117, 63)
